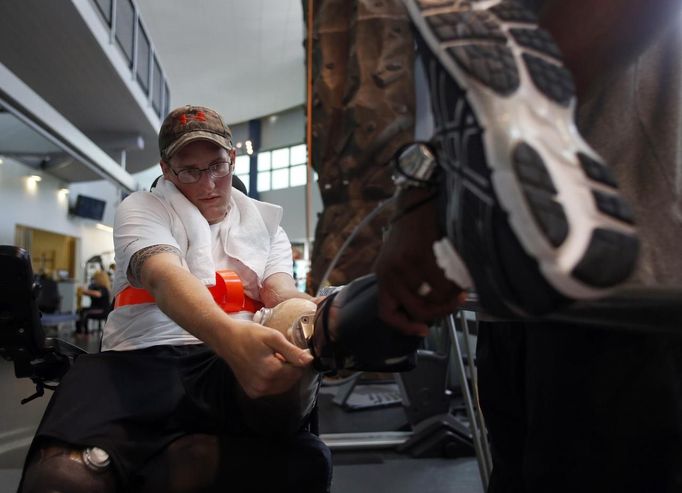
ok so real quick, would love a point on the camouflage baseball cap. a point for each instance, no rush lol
(189, 123)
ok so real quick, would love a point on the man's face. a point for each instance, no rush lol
(210, 195)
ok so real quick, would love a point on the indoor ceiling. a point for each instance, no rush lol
(245, 58)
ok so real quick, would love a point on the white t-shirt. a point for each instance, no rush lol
(143, 220)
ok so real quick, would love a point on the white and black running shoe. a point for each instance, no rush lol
(531, 209)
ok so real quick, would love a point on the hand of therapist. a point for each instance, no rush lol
(413, 290)
(263, 361)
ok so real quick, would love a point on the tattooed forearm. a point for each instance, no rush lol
(134, 272)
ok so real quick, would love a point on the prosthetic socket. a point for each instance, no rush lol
(344, 331)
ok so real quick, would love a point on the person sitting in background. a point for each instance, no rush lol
(99, 292)
(111, 271)
(48, 298)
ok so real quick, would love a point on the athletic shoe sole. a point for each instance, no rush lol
(527, 196)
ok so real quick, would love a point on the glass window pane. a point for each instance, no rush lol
(299, 175)
(280, 158)
(245, 179)
(105, 8)
(242, 165)
(299, 154)
(264, 181)
(125, 21)
(166, 99)
(280, 178)
(263, 161)
(143, 53)
(157, 82)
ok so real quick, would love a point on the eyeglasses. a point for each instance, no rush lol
(193, 175)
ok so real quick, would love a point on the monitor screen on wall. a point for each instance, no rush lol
(89, 207)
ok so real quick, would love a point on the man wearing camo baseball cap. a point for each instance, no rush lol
(176, 360)
(189, 123)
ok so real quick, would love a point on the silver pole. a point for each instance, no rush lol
(475, 433)
(485, 446)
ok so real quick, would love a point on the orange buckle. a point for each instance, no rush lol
(228, 293)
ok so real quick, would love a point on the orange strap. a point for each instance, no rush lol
(228, 293)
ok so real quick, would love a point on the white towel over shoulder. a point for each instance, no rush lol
(246, 232)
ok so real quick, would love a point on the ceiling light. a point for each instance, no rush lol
(239, 145)
(249, 147)
(1, 161)
(273, 118)
(35, 178)
(64, 191)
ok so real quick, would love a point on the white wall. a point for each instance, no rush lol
(40, 205)
(283, 129)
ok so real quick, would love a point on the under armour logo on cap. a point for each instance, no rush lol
(189, 123)
(200, 116)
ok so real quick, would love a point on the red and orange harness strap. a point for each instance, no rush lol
(228, 293)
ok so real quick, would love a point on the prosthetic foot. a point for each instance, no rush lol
(289, 318)
(292, 317)
(348, 333)
(344, 332)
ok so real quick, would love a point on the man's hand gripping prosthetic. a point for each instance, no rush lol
(344, 331)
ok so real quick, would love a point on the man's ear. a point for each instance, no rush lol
(165, 169)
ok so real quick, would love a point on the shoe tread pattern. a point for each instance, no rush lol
(553, 80)
(486, 58)
(465, 26)
(596, 171)
(539, 192)
(474, 212)
(492, 65)
(614, 206)
(605, 244)
(536, 39)
(513, 12)
(429, 4)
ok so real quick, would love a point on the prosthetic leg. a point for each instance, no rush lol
(344, 332)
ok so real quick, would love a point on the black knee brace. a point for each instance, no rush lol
(60, 469)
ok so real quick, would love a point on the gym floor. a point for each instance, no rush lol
(356, 471)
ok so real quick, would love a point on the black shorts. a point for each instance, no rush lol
(134, 403)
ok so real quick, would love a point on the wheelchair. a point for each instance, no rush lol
(345, 334)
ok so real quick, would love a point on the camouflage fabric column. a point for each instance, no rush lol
(363, 111)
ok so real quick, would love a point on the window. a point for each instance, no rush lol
(282, 168)
(143, 54)
(280, 158)
(166, 99)
(241, 165)
(125, 23)
(157, 87)
(241, 169)
(263, 181)
(104, 7)
(299, 175)
(299, 154)
(280, 178)
(263, 161)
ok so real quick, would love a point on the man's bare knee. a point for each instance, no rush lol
(58, 468)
